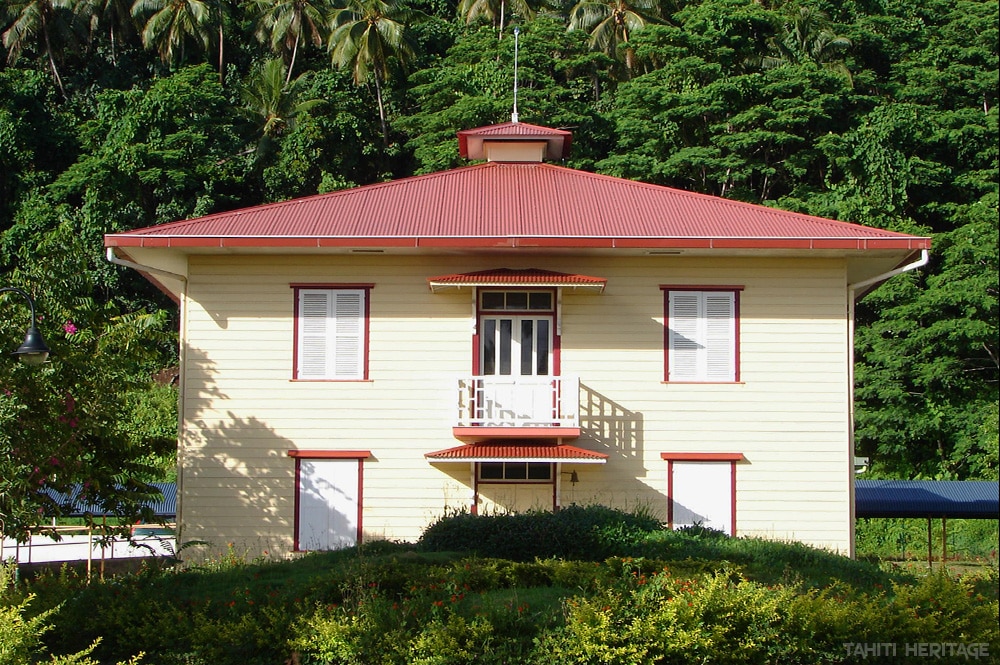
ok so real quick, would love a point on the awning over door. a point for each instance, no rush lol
(507, 451)
(511, 277)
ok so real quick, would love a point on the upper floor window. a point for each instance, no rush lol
(331, 333)
(513, 301)
(702, 331)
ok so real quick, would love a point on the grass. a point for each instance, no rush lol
(696, 595)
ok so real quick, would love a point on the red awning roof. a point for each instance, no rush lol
(506, 451)
(513, 205)
(515, 277)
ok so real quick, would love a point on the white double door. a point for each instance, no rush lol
(516, 365)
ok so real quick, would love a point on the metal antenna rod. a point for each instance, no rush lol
(513, 116)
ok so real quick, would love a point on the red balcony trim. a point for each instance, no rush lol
(474, 433)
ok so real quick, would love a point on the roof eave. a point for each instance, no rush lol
(906, 243)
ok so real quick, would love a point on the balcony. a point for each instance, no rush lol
(510, 407)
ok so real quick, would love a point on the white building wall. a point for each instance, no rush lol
(788, 415)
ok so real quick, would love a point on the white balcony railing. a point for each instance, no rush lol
(519, 401)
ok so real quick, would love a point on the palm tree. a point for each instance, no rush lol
(611, 23)
(808, 37)
(494, 11)
(43, 21)
(171, 24)
(267, 98)
(284, 24)
(366, 35)
(116, 15)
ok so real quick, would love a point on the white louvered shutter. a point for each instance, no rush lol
(720, 336)
(349, 354)
(684, 336)
(331, 334)
(702, 336)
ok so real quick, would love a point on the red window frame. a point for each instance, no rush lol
(736, 290)
(298, 288)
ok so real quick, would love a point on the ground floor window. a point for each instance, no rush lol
(328, 490)
(520, 471)
(701, 490)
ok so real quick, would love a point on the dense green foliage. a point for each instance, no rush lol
(906, 539)
(575, 532)
(117, 114)
(659, 597)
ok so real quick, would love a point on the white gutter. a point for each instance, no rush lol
(851, 291)
(178, 518)
(136, 266)
(925, 257)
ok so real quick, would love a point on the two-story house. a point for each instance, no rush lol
(512, 335)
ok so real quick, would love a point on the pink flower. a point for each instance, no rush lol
(69, 327)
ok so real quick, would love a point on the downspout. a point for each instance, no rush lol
(180, 377)
(851, 291)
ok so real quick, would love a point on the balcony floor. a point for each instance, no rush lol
(472, 434)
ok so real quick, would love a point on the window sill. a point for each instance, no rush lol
(331, 381)
(704, 383)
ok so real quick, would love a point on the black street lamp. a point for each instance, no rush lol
(33, 351)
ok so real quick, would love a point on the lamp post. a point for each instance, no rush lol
(33, 351)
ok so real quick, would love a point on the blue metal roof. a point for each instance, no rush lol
(166, 506)
(976, 499)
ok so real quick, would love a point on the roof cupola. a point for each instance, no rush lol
(514, 142)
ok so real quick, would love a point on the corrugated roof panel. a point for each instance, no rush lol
(510, 200)
(72, 506)
(517, 277)
(489, 451)
(513, 129)
(927, 498)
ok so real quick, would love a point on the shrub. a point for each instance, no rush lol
(589, 533)
(21, 638)
(724, 618)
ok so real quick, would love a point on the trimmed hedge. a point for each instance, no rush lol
(586, 533)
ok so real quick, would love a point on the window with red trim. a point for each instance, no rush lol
(331, 333)
(702, 334)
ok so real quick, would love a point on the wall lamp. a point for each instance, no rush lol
(33, 351)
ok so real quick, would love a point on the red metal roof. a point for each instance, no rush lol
(495, 205)
(507, 451)
(516, 277)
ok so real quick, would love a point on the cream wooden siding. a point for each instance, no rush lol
(242, 411)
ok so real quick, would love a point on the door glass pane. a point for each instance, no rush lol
(506, 326)
(543, 347)
(489, 346)
(540, 301)
(517, 300)
(527, 326)
(492, 299)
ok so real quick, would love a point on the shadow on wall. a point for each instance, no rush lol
(236, 481)
(608, 427)
(605, 421)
